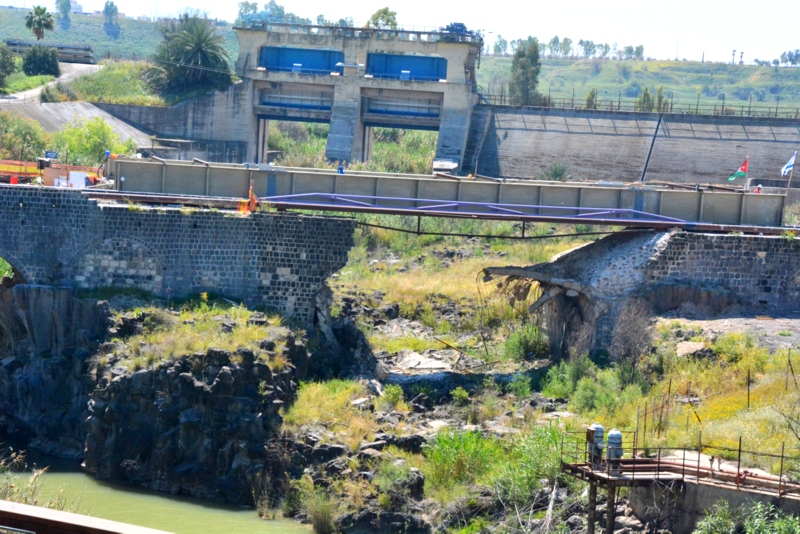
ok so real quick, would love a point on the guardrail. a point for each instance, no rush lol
(632, 106)
(532, 197)
(642, 466)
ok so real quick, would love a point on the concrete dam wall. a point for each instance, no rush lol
(601, 145)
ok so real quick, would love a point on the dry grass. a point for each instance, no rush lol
(196, 328)
(18, 488)
(327, 404)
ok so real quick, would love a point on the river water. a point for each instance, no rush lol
(177, 514)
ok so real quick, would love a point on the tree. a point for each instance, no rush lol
(247, 8)
(605, 49)
(110, 12)
(500, 45)
(588, 47)
(555, 46)
(383, 19)
(7, 65)
(20, 139)
(191, 55)
(525, 67)
(86, 142)
(38, 21)
(566, 47)
(41, 60)
(638, 53)
(662, 104)
(627, 52)
(63, 7)
(591, 99)
(645, 102)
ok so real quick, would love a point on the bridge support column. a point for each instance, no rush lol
(369, 137)
(453, 128)
(590, 515)
(262, 140)
(346, 136)
(611, 508)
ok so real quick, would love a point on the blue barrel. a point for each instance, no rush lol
(595, 447)
(614, 445)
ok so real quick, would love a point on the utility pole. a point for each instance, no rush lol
(733, 58)
(741, 58)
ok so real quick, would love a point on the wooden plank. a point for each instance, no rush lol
(43, 520)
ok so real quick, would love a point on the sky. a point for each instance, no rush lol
(686, 28)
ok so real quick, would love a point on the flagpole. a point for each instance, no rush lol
(791, 172)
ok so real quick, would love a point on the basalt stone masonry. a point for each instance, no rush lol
(584, 290)
(279, 260)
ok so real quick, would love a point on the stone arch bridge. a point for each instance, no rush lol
(60, 238)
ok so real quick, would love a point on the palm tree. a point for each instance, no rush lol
(39, 20)
(191, 55)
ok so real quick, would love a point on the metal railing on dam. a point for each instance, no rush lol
(626, 204)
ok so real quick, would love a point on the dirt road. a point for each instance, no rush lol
(69, 71)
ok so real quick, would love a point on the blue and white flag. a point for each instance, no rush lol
(789, 166)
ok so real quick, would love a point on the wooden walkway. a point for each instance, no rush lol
(24, 519)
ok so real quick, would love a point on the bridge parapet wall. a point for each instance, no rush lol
(63, 239)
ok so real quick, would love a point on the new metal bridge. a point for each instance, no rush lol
(635, 205)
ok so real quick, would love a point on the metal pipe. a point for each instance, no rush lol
(652, 144)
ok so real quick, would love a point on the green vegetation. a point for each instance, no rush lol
(40, 60)
(13, 488)
(198, 326)
(351, 424)
(117, 83)
(392, 399)
(6, 270)
(526, 342)
(13, 78)
(133, 39)
(757, 518)
(524, 76)
(7, 64)
(191, 56)
(460, 396)
(85, 142)
(683, 81)
(20, 139)
(38, 21)
(513, 469)
(394, 150)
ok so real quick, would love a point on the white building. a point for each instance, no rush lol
(75, 8)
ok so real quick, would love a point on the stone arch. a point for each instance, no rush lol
(118, 262)
(22, 273)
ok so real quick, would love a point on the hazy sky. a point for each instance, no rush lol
(761, 29)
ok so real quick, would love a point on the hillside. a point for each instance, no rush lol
(137, 39)
(624, 79)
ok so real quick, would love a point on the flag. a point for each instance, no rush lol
(741, 173)
(789, 165)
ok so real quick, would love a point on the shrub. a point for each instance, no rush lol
(40, 60)
(391, 398)
(526, 342)
(720, 519)
(534, 457)
(561, 381)
(7, 65)
(320, 512)
(20, 138)
(460, 457)
(557, 172)
(520, 386)
(460, 396)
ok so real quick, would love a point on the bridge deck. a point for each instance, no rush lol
(631, 204)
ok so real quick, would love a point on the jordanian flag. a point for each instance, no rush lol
(741, 173)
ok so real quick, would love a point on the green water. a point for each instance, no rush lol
(180, 515)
